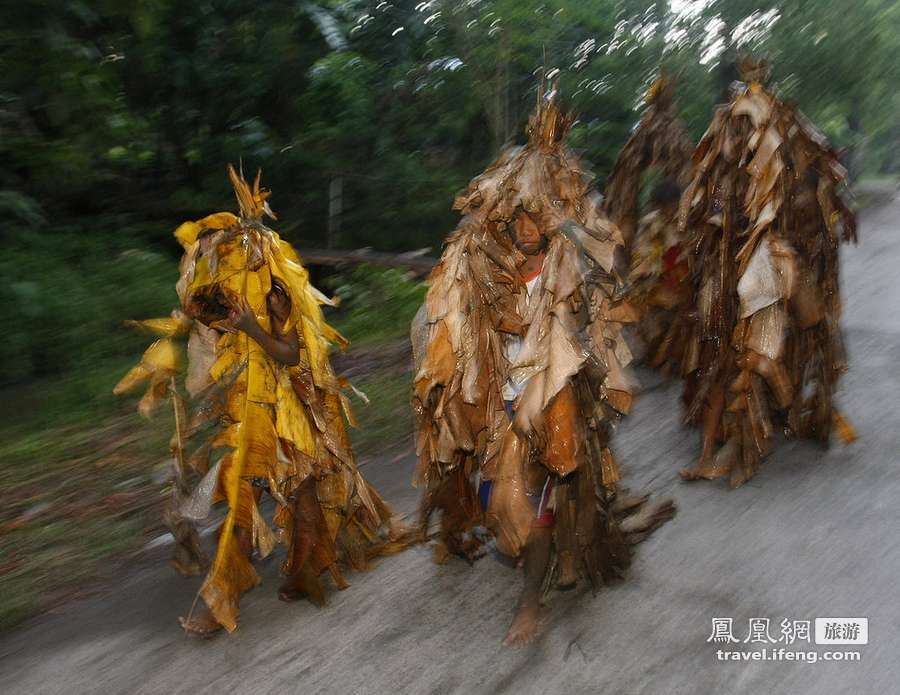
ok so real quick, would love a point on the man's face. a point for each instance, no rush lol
(528, 237)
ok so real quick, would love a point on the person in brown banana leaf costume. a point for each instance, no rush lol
(658, 283)
(660, 145)
(521, 369)
(661, 149)
(765, 214)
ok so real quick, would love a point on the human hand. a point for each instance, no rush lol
(241, 316)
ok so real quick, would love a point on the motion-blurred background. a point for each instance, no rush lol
(117, 120)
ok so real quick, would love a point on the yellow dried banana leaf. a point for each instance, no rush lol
(174, 326)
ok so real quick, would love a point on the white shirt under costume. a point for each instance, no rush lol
(512, 345)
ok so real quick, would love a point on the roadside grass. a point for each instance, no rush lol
(387, 419)
(81, 483)
(376, 304)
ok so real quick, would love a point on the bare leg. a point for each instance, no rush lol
(706, 468)
(527, 621)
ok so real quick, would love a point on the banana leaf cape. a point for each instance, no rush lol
(573, 359)
(764, 214)
(244, 422)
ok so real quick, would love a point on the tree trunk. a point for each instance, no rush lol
(335, 210)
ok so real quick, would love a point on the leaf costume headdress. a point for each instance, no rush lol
(659, 143)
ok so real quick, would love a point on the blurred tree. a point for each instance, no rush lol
(117, 119)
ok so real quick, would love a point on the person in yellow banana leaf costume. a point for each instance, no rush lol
(261, 400)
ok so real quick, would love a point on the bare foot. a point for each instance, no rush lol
(440, 553)
(689, 474)
(338, 578)
(525, 626)
(714, 466)
(707, 469)
(202, 625)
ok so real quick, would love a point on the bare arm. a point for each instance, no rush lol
(281, 348)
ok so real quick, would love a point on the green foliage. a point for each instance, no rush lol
(387, 420)
(377, 304)
(70, 292)
(117, 119)
(122, 108)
